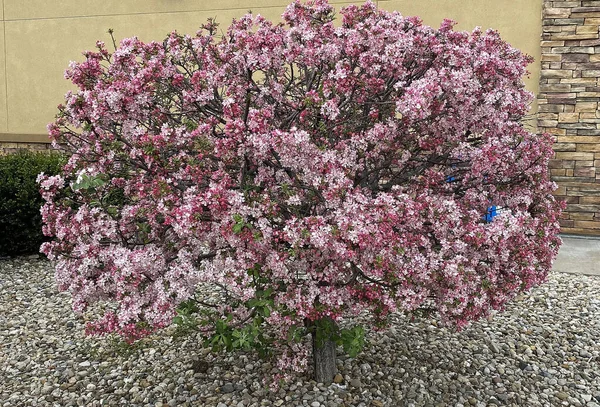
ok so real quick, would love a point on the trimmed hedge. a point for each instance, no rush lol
(20, 200)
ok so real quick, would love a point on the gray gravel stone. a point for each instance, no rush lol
(227, 388)
(543, 350)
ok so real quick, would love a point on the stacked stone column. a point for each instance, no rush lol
(569, 108)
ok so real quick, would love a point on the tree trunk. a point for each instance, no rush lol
(324, 357)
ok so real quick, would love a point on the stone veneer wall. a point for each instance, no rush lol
(569, 108)
(7, 147)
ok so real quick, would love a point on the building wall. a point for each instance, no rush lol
(9, 147)
(38, 38)
(568, 108)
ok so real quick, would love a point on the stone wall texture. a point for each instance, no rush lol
(13, 147)
(568, 106)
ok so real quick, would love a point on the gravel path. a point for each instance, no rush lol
(544, 350)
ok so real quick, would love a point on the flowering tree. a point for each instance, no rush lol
(305, 173)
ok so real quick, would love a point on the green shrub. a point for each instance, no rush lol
(20, 200)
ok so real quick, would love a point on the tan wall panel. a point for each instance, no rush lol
(518, 21)
(39, 48)
(33, 9)
(3, 114)
(39, 51)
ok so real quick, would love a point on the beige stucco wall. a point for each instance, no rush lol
(38, 38)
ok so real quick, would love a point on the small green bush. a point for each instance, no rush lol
(20, 200)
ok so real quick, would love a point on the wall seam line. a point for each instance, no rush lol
(147, 13)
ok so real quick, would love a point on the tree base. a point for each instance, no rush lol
(324, 358)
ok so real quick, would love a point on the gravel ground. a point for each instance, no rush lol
(542, 351)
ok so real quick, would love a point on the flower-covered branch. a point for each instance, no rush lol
(311, 171)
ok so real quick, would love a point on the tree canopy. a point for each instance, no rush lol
(304, 171)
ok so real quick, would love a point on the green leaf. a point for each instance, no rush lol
(220, 326)
(89, 182)
(296, 333)
(187, 307)
(242, 339)
(352, 340)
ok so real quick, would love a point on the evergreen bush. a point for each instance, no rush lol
(20, 200)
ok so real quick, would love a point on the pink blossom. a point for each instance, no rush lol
(340, 168)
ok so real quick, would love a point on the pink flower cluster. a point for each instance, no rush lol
(351, 166)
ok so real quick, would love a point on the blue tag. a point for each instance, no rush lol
(490, 214)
